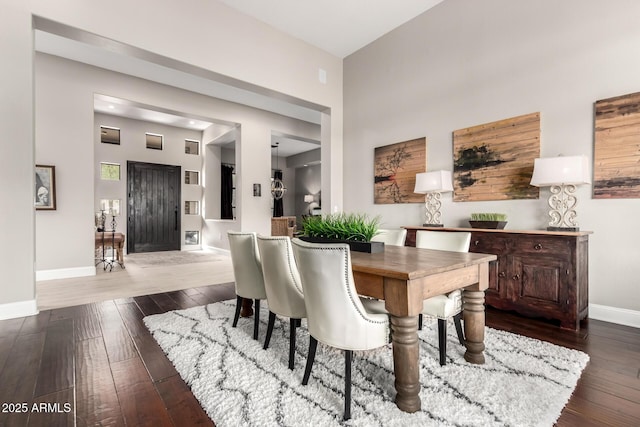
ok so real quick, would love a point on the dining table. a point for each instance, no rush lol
(403, 277)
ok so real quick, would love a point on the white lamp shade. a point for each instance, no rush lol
(308, 198)
(433, 182)
(560, 170)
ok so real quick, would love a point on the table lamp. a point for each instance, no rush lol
(308, 198)
(562, 174)
(432, 184)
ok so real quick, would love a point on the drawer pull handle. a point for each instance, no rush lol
(537, 247)
(477, 242)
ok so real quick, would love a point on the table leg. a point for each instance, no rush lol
(473, 306)
(406, 352)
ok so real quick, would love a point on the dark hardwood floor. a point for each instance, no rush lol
(99, 364)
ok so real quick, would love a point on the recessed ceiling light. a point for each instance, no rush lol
(191, 122)
(111, 107)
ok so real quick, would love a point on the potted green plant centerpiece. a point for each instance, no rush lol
(355, 229)
(488, 220)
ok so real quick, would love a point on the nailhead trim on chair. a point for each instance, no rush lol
(346, 277)
(291, 267)
(289, 257)
(346, 280)
(253, 247)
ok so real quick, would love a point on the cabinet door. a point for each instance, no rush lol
(490, 244)
(538, 285)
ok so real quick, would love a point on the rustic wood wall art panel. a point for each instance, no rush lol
(616, 158)
(494, 161)
(395, 169)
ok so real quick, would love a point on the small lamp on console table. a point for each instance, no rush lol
(432, 184)
(562, 174)
(308, 198)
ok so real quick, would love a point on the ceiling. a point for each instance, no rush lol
(339, 27)
(351, 29)
(123, 108)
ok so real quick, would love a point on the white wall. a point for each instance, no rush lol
(465, 63)
(17, 285)
(307, 182)
(242, 47)
(65, 137)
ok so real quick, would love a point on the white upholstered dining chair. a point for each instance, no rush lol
(444, 306)
(336, 316)
(395, 237)
(247, 271)
(283, 287)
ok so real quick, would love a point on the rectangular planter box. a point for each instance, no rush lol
(488, 224)
(370, 247)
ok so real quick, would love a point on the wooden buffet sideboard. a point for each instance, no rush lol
(538, 273)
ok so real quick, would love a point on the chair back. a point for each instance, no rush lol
(454, 241)
(246, 265)
(281, 277)
(395, 237)
(335, 315)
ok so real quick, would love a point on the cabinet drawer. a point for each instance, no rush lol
(543, 245)
(487, 244)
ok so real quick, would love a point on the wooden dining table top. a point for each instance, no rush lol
(409, 263)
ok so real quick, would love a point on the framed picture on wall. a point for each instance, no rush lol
(616, 157)
(494, 161)
(45, 190)
(395, 168)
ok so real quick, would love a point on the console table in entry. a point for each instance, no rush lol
(537, 274)
(113, 240)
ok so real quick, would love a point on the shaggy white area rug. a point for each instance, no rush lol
(524, 382)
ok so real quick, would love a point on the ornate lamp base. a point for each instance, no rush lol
(563, 202)
(433, 204)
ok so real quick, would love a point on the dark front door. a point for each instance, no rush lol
(153, 206)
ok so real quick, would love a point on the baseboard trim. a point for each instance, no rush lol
(65, 273)
(621, 316)
(18, 309)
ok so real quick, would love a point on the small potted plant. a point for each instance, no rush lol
(488, 220)
(354, 229)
